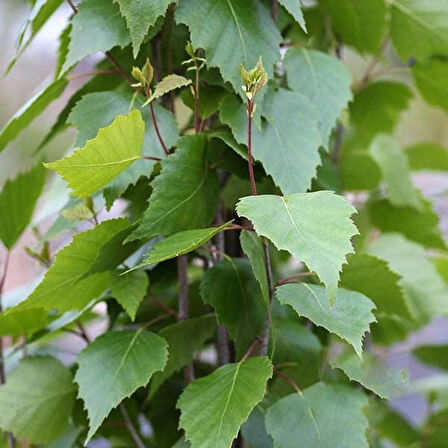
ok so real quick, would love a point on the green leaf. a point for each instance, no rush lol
(167, 84)
(211, 96)
(291, 128)
(114, 148)
(395, 170)
(294, 8)
(37, 400)
(371, 373)
(426, 22)
(181, 243)
(18, 199)
(378, 107)
(324, 80)
(30, 110)
(184, 340)
(431, 79)
(98, 26)
(124, 361)
(214, 407)
(359, 171)
(236, 33)
(427, 156)
(129, 290)
(298, 223)
(22, 322)
(140, 15)
(349, 317)
(254, 431)
(65, 286)
(230, 288)
(184, 194)
(424, 288)
(421, 226)
(433, 355)
(325, 415)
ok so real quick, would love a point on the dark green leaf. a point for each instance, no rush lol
(433, 355)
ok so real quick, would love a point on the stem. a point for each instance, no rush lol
(157, 159)
(83, 332)
(197, 122)
(274, 10)
(292, 277)
(74, 8)
(251, 349)
(253, 185)
(131, 428)
(290, 381)
(156, 127)
(373, 63)
(268, 321)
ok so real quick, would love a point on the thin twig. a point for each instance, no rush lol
(131, 428)
(365, 78)
(157, 159)
(156, 128)
(83, 332)
(255, 342)
(268, 321)
(197, 122)
(72, 5)
(292, 277)
(238, 227)
(290, 381)
(250, 109)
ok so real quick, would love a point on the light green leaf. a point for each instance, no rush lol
(214, 407)
(18, 198)
(326, 415)
(294, 8)
(236, 33)
(349, 318)
(424, 288)
(30, 110)
(184, 340)
(298, 223)
(371, 373)
(129, 290)
(98, 26)
(433, 355)
(427, 156)
(167, 84)
(140, 15)
(114, 148)
(431, 79)
(125, 361)
(324, 80)
(192, 203)
(426, 22)
(378, 107)
(291, 128)
(22, 322)
(231, 289)
(37, 400)
(395, 170)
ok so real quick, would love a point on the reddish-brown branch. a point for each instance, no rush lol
(156, 127)
(294, 276)
(289, 381)
(250, 109)
(157, 159)
(255, 342)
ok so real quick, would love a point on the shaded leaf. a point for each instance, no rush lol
(433, 355)
(294, 8)
(22, 322)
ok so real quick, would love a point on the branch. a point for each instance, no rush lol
(250, 110)
(156, 127)
(365, 78)
(268, 321)
(131, 428)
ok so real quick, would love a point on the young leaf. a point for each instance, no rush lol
(320, 77)
(129, 290)
(37, 400)
(140, 15)
(189, 205)
(230, 288)
(433, 355)
(167, 84)
(180, 243)
(326, 415)
(235, 33)
(18, 199)
(214, 407)
(114, 148)
(427, 156)
(298, 223)
(98, 26)
(30, 110)
(294, 8)
(349, 318)
(124, 361)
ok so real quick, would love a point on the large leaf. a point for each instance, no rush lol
(426, 21)
(214, 407)
(184, 339)
(294, 8)
(30, 110)
(299, 222)
(324, 416)
(324, 81)
(433, 355)
(23, 322)
(140, 15)
(123, 361)
(427, 156)
(291, 128)
(395, 170)
(234, 33)
(184, 194)
(98, 26)
(349, 318)
(102, 159)
(37, 400)
(18, 199)
(231, 289)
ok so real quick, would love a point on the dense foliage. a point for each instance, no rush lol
(243, 230)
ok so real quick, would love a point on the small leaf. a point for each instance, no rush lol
(294, 8)
(326, 415)
(124, 361)
(18, 199)
(427, 156)
(114, 148)
(349, 317)
(167, 84)
(37, 400)
(433, 355)
(214, 407)
(298, 223)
